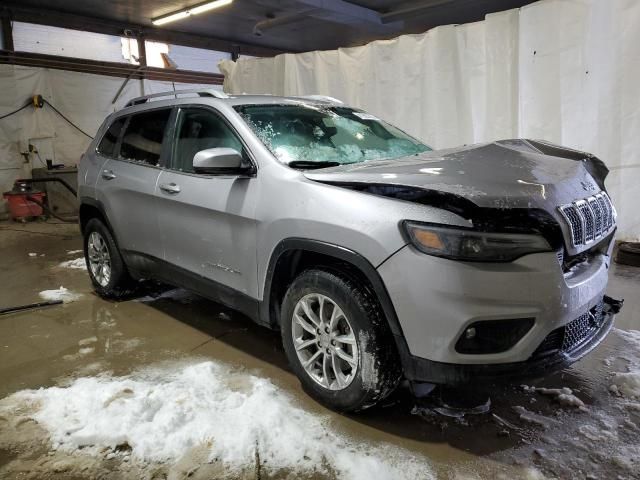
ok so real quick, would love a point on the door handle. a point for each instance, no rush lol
(171, 188)
(108, 174)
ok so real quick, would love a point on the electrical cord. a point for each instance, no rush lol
(30, 102)
(68, 121)
(16, 111)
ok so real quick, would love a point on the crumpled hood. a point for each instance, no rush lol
(502, 174)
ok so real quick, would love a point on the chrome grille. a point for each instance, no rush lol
(597, 213)
(607, 219)
(571, 215)
(589, 219)
(610, 208)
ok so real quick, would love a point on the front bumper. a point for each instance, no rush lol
(437, 299)
(540, 364)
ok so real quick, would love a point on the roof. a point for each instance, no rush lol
(232, 100)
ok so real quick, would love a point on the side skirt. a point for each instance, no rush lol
(142, 266)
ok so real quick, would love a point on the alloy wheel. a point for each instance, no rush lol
(324, 341)
(99, 259)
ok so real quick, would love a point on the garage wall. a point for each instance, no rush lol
(564, 71)
(84, 98)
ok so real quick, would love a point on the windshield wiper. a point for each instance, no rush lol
(310, 165)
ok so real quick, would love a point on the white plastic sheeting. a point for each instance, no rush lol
(84, 98)
(563, 71)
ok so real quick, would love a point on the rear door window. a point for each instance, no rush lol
(107, 146)
(142, 139)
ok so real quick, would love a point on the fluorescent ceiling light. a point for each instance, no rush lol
(170, 18)
(203, 7)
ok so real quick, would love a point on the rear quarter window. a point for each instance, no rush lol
(107, 145)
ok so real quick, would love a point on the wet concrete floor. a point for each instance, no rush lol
(40, 348)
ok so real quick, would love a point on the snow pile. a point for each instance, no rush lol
(627, 384)
(87, 341)
(61, 293)
(78, 263)
(534, 418)
(564, 396)
(164, 413)
(86, 347)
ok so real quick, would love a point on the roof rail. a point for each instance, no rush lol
(210, 92)
(321, 98)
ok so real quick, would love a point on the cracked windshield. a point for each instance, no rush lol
(319, 136)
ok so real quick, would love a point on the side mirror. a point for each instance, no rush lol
(217, 160)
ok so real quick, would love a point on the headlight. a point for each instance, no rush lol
(471, 245)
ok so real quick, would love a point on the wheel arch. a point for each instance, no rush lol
(293, 255)
(91, 208)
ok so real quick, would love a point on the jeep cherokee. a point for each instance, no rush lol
(376, 257)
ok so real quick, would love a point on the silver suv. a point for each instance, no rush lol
(377, 257)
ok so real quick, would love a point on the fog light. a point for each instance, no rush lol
(493, 336)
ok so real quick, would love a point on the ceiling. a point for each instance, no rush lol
(291, 25)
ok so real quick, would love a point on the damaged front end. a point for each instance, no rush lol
(506, 313)
(494, 220)
(561, 348)
(510, 187)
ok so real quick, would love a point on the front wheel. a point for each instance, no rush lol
(337, 340)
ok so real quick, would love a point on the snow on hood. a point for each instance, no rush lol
(503, 174)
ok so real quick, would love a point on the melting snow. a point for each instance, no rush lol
(564, 396)
(61, 293)
(627, 384)
(87, 341)
(535, 418)
(603, 444)
(78, 263)
(165, 412)
(73, 252)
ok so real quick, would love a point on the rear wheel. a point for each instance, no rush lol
(337, 340)
(106, 268)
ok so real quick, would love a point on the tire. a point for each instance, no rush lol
(628, 254)
(118, 284)
(372, 372)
